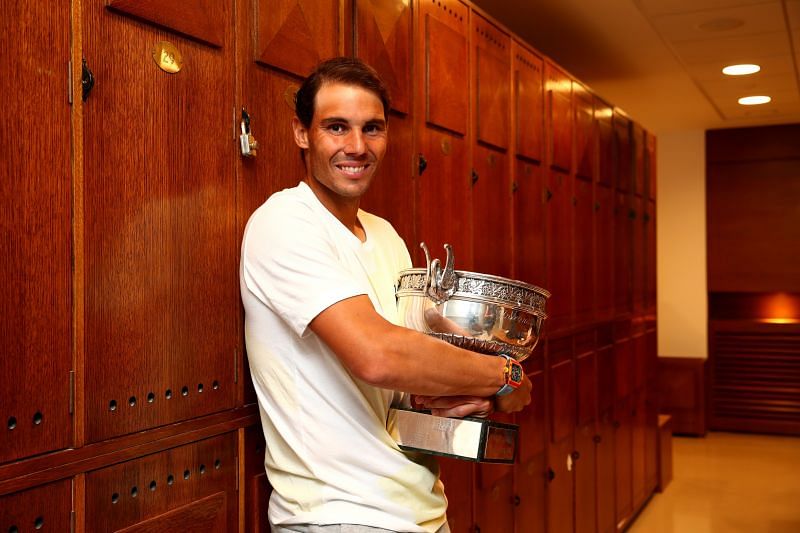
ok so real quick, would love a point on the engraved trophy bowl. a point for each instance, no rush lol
(479, 312)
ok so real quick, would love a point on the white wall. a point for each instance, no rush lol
(681, 248)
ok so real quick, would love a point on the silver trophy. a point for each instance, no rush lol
(479, 312)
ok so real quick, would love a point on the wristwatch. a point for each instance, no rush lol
(512, 375)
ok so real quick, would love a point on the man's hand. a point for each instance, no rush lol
(517, 400)
(456, 406)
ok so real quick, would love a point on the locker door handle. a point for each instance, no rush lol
(474, 177)
(551, 474)
(87, 81)
(597, 439)
(422, 163)
(516, 500)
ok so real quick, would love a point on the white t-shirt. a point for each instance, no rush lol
(329, 457)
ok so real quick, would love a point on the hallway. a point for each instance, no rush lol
(728, 483)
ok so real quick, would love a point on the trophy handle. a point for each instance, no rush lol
(440, 284)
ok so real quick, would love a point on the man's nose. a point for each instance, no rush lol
(355, 142)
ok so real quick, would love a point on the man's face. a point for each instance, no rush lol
(345, 142)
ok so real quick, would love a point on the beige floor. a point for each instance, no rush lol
(728, 483)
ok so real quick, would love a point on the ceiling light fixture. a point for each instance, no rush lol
(741, 70)
(754, 100)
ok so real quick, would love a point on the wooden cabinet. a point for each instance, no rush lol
(561, 447)
(47, 507)
(530, 472)
(559, 125)
(36, 296)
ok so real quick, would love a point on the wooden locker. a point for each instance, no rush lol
(494, 495)
(492, 49)
(383, 30)
(255, 483)
(443, 188)
(457, 476)
(638, 449)
(638, 258)
(623, 253)
(586, 381)
(606, 473)
(650, 288)
(606, 147)
(623, 452)
(559, 125)
(528, 98)
(530, 470)
(561, 387)
(47, 507)
(161, 254)
(528, 225)
(559, 211)
(191, 488)
(584, 252)
(585, 133)
(623, 150)
(36, 297)
(604, 251)
(640, 176)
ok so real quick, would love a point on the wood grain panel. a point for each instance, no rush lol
(638, 455)
(605, 140)
(528, 97)
(491, 213)
(559, 211)
(295, 35)
(201, 19)
(445, 58)
(162, 304)
(47, 507)
(560, 490)
(651, 164)
(639, 149)
(623, 368)
(604, 251)
(562, 400)
(383, 39)
(492, 83)
(623, 450)
(586, 388)
(681, 391)
(528, 224)
(494, 498)
(133, 492)
(530, 471)
(623, 152)
(585, 487)
(650, 259)
(638, 251)
(256, 485)
(584, 250)
(204, 515)
(558, 88)
(623, 251)
(585, 133)
(606, 471)
(35, 233)
(458, 479)
(605, 378)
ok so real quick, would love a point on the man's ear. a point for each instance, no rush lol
(300, 133)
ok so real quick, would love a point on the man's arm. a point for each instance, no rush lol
(392, 357)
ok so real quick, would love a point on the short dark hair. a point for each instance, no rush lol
(344, 70)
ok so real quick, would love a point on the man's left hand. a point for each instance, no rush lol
(456, 406)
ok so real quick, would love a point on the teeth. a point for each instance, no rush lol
(353, 170)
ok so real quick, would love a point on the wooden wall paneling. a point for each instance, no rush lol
(530, 470)
(162, 303)
(606, 473)
(640, 177)
(192, 487)
(623, 254)
(494, 495)
(255, 484)
(528, 98)
(491, 178)
(383, 30)
(47, 507)
(623, 451)
(559, 220)
(755, 376)
(201, 19)
(623, 151)
(651, 435)
(651, 164)
(681, 392)
(604, 219)
(36, 299)
(559, 119)
(650, 260)
(584, 251)
(561, 393)
(638, 257)
(443, 187)
(585, 455)
(458, 476)
(295, 35)
(638, 443)
(528, 186)
(585, 133)
(606, 147)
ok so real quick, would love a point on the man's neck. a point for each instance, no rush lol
(344, 209)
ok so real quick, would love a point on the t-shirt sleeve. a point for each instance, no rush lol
(291, 266)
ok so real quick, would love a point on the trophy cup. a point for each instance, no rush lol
(479, 312)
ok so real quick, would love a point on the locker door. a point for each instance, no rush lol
(585, 136)
(528, 98)
(604, 251)
(559, 250)
(623, 152)
(605, 139)
(491, 193)
(444, 191)
(36, 297)
(638, 227)
(457, 476)
(561, 387)
(558, 87)
(623, 253)
(530, 470)
(47, 507)
(584, 252)
(585, 446)
(383, 40)
(161, 246)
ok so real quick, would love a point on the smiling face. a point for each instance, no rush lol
(344, 144)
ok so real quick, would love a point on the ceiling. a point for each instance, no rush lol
(661, 60)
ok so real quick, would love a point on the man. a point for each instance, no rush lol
(326, 356)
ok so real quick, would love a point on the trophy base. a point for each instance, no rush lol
(473, 439)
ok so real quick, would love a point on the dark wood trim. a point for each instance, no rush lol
(682, 393)
(42, 469)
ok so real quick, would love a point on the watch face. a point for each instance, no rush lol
(516, 373)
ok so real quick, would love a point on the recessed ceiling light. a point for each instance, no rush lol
(741, 70)
(721, 24)
(754, 100)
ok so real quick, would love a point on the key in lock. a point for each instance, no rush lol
(247, 143)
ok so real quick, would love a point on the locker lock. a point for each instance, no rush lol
(247, 142)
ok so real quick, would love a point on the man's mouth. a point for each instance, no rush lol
(350, 169)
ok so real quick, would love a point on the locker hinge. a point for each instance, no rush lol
(71, 391)
(236, 365)
(69, 82)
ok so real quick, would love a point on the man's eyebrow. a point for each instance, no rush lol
(334, 120)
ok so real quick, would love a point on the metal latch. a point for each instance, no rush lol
(247, 142)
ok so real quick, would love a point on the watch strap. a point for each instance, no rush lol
(512, 375)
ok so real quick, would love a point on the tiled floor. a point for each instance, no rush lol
(728, 483)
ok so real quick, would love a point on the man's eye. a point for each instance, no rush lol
(336, 128)
(372, 129)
